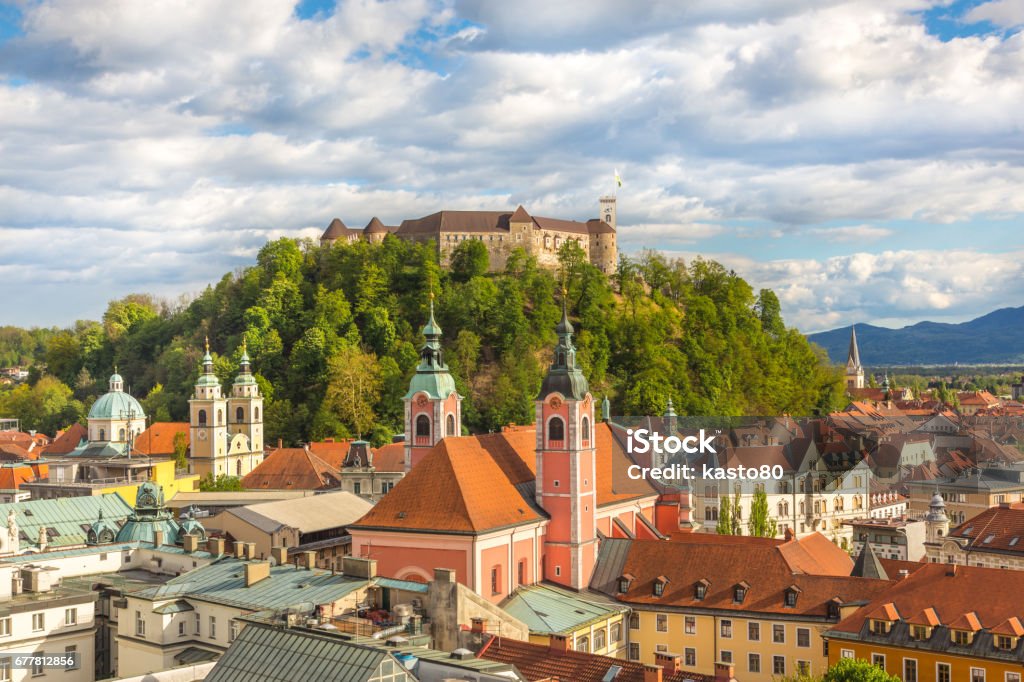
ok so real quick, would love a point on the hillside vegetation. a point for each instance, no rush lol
(334, 332)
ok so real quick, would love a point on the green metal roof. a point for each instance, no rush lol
(67, 518)
(434, 384)
(547, 609)
(178, 606)
(224, 583)
(265, 653)
(407, 585)
(116, 405)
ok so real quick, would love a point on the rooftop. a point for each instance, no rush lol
(307, 514)
(551, 609)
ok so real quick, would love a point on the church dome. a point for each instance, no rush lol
(116, 404)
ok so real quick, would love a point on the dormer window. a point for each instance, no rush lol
(659, 585)
(880, 627)
(833, 609)
(919, 632)
(624, 582)
(701, 590)
(962, 637)
(792, 592)
(739, 592)
(1005, 642)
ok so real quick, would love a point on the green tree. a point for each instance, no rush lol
(725, 518)
(180, 448)
(222, 483)
(469, 259)
(353, 388)
(857, 670)
(762, 525)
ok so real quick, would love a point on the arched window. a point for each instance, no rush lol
(585, 429)
(256, 414)
(583, 644)
(451, 425)
(120, 435)
(598, 640)
(422, 425)
(556, 429)
(220, 417)
(239, 415)
(238, 467)
(103, 434)
(202, 417)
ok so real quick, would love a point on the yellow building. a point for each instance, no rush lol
(945, 623)
(758, 604)
(83, 475)
(590, 623)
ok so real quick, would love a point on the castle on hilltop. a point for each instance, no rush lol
(500, 231)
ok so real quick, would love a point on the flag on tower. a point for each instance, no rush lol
(618, 178)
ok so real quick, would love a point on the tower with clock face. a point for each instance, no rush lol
(208, 422)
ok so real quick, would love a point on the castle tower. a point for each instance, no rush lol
(604, 253)
(245, 416)
(854, 371)
(566, 464)
(208, 423)
(433, 408)
(936, 522)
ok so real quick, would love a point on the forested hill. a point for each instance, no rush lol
(997, 337)
(334, 333)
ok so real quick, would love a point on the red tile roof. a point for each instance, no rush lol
(158, 439)
(12, 452)
(11, 477)
(331, 451)
(67, 441)
(541, 662)
(390, 458)
(996, 529)
(960, 596)
(726, 561)
(292, 469)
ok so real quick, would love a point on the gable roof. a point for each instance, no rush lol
(540, 662)
(292, 469)
(12, 476)
(999, 529)
(67, 441)
(389, 458)
(158, 439)
(549, 609)
(68, 517)
(868, 565)
(308, 514)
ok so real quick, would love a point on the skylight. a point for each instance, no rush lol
(1014, 540)
(989, 539)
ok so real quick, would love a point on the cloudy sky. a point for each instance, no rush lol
(865, 158)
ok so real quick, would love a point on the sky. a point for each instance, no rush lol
(863, 158)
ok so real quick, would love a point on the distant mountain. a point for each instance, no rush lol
(994, 338)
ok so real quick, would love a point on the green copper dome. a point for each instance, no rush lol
(116, 404)
(432, 376)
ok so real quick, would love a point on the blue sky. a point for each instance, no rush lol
(861, 157)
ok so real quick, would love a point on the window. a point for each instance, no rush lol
(690, 657)
(496, 580)
(234, 628)
(220, 417)
(256, 413)
(977, 675)
(583, 644)
(213, 627)
(726, 628)
(634, 651)
(779, 634)
(357, 487)
(754, 663)
(662, 622)
(803, 637)
(943, 672)
(659, 587)
(70, 616)
(521, 572)
(140, 624)
(1004, 642)
(878, 660)
(778, 665)
(846, 653)
(634, 621)
(726, 656)
(754, 632)
(103, 434)
(918, 632)
(803, 668)
(616, 632)
(585, 429)
(422, 426)
(909, 670)
(599, 642)
(450, 428)
(239, 415)
(71, 652)
(691, 624)
(197, 623)
(5, 627)
(37, 664)
(5, 669)
(702, 590)
(556, 431)
(1012, 677)
(38, 621)
(961, 637)
(202, 419)
(181, 628)
(791, 598)
(738, 594)
(120, 435)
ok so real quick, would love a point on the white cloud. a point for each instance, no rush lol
(1008, 13)
(189, 134)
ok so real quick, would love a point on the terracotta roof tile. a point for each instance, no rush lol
(995, 529)
(966, 621)
(67, 441)
(332, 452)
(1011, 626)
(926, 617)
(390, 457)
(292, 469)
(158, 439)
(541, 662)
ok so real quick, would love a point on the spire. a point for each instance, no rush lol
(868, 564)
(208, 378)
(244, 366)
(564, 375)
(432, 374)
(853, 356)
(606, 409)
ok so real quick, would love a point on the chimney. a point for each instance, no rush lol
(904, 573)
(951, 571)
(788, 535)
(358, 567)
(307, 560)
(256, 571)
(652, 673)
(444, 575)
(724, 672)
(671, 663)
(559, 643)
(249, 550)
(158, 537)
(190, 543)
(478, 625)
(280, 443)
(279, 555)
(238, 548)
(215, 546)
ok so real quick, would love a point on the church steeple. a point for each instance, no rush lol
(564, 375)
(433, 407)
(854, 371)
